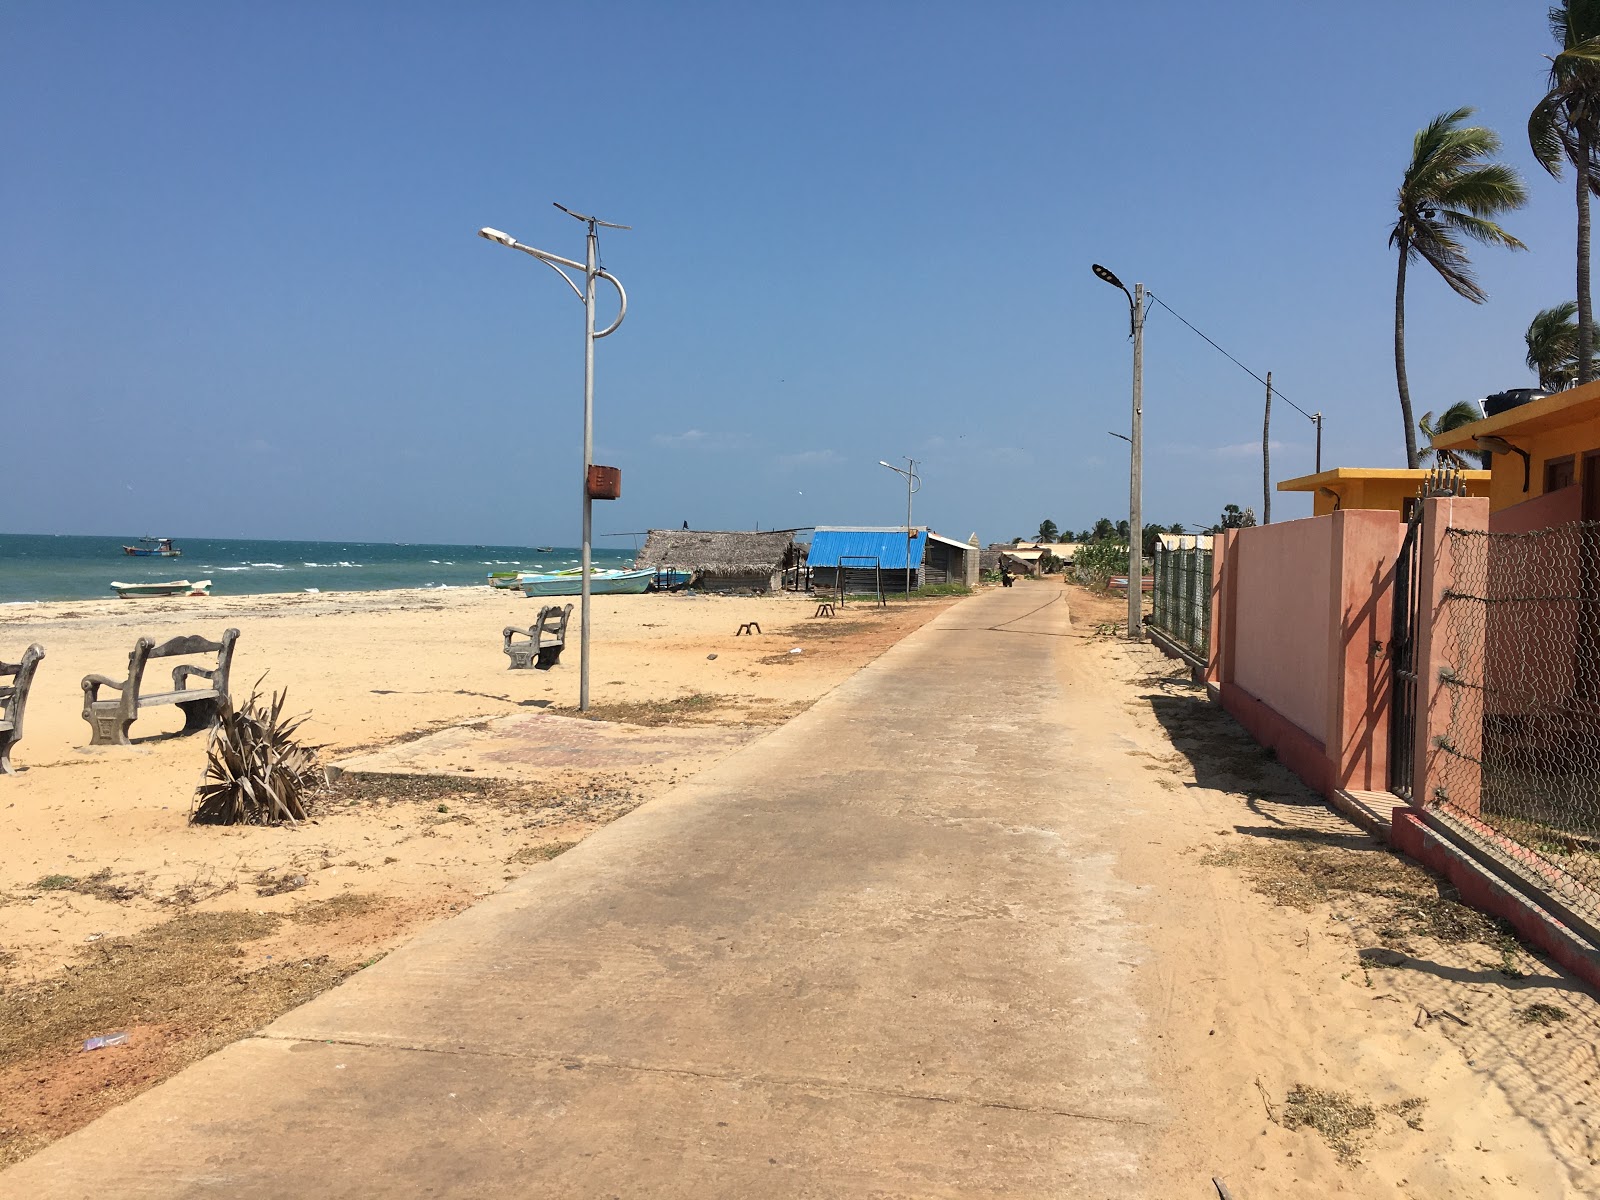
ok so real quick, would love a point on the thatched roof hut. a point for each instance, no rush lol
(724, 560)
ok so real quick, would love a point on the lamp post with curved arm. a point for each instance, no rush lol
(913, 485)
(591, 271)
(1135, 455)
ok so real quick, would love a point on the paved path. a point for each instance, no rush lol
(872, 954)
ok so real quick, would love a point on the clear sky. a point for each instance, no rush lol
(240, 293)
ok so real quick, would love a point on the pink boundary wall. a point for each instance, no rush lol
(1301, 616)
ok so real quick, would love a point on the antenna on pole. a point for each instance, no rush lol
(588, 220)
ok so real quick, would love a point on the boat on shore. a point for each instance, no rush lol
(154, 548)
(601, 583)
(670, 579)
(173, 587)
(511, 580)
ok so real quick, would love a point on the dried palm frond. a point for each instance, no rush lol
(256, 773)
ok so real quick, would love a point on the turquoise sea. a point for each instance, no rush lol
(52, 567)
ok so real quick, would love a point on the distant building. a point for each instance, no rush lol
(863, 555)
(725, 560)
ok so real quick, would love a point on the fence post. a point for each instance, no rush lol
(1444, 710)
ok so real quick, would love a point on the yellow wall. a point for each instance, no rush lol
(1506, 487)
(1388, 491)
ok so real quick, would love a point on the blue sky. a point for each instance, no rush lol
(240, 293)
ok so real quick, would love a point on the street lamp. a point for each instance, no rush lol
(913, 485)
(1136, 453)
(591, 271)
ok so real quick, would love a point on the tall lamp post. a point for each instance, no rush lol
(913, 485)
(591, 271)
(1135, 456)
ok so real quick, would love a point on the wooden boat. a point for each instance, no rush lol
(175, 587)
(545, 549)
(601, 583)
(505, 579)
(670, 579)
(154, 548)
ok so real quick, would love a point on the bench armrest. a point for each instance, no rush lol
(93, 683)
(511, 629)
(180, 675)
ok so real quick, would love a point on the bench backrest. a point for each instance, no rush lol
(14, 695)
(553, 621)
(189, 646)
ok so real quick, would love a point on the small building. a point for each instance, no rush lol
(725, 560)
(1546, 456)
(1386, 489)
(865, 556)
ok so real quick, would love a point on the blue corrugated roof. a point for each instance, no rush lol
(828, 545)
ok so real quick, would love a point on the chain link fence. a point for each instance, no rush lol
(1181, 601)
(1520, 636)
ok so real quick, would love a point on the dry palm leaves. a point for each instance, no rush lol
(256, 773)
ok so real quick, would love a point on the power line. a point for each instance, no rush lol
(1277, 395)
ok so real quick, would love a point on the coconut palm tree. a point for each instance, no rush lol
(1462, 412)
(1553, 346)
(1449, 192)
(1565, 127)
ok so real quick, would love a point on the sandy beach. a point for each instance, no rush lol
(100, 871)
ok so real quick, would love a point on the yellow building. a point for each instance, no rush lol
(1541, 449)
(1383, 488)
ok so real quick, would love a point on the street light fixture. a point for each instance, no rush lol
(1136, 453)
(913, 485)
(591, 271)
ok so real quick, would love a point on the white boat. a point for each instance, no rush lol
(601, 583)
(174, 587)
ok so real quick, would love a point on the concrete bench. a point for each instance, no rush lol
(543, 640)
(110, 719)
(14, 701)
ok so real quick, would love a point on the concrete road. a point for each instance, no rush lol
(873, 954)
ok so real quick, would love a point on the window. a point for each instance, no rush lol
(1559, 473)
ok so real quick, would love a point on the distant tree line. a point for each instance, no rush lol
(1107, 531)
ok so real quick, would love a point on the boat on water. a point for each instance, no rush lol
(545, 549)
(173, 587)
(601, 583)
(150, 547)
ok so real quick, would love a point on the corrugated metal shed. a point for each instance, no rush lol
(889, 545)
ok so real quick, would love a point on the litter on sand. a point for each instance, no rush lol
(797, 650)
(110, 1039)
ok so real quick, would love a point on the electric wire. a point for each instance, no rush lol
(1276, 394)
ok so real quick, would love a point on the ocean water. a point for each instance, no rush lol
(50, 567)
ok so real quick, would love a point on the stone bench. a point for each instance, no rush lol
(543, 640)
(110, 719)
(14, 701)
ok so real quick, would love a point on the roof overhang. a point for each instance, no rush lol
(1542, 415)
(1346, 475)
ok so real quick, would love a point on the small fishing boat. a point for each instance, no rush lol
(174, 587)
(601, 583)
(545, 549)
(154, 548)
(670, 579)
(511, 580)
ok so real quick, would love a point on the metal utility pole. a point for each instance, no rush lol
(1318, 421)
(1136, 307)
(591, 271)
(1266, 458)
(913, 485)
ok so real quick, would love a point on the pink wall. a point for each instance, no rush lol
(1542, 512)
(1282, 619)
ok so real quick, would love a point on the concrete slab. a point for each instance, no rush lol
(872, 954)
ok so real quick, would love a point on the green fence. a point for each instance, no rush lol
(1182, 600)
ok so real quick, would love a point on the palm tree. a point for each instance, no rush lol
(1449, 192)
(1553, 346)
(1462, 412)
(1565, 127)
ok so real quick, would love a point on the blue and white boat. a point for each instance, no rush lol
(601, 583)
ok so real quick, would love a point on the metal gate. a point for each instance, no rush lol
(1441, 481)
(1403, 660)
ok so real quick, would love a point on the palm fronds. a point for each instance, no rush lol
(1462, 412)
(256, 773)
(1553, 346)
